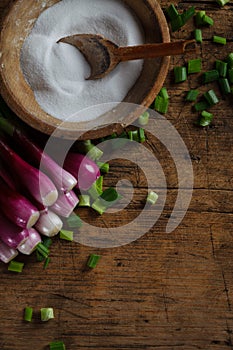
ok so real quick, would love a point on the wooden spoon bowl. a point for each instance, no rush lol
(20, 98)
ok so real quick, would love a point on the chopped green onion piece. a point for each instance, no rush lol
(198, 35)
(67, 235)
(84, 200)
(210, 76)
(46, 314)
(46, 262)
(199, 18)
(186, 15)
(57, 345)
(192, 95)
(104, 167)
(163, 93)
(207, 20)
(221, 67)
(42, 250)
(133, 135)
(87, 147)
(194, 66)
(224, 86)
(95, 153)
(205, 118)
(211, 97)
(172, 12)
(152, 197)
(144, 118)
(15, 266)
(107, 198)
(93, 260)
(74, 221)
(99, 206)
(97, 188)
(230, 60)
(219, 40)
(47, 242)
(161, 104)
(202, 105)
(28, 311)
(177, 23)
(222, 2)
(141, 133)
(180, 74)
(230, 75)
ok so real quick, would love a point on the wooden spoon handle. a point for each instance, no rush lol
(153, 50)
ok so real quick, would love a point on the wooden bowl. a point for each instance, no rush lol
(18, 95)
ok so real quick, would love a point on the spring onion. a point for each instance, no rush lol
(192, 95)
(230, 60)
(89, 149)
(33, 180)
(198, 35)
(46, 262)
(205, 119)
(152, 197)
(171, 12)
(221, 67)
(37, 157)
(224, 86)
(15, 266)
(230, 75)
(49, 224)
(144, 118)
(97, 188)
(84, 200)
(163, 93)
(207, 20)
(106, 200)
(211, 97)
(177, 23)
(104, 167)
(180, 74)
(57, 345)
(189, 13)
(42, 251)
(46, 314)
(65, 204)
(74, 221)
(93, 260)
(28, 311)
(31, 242)
(209, 76)
(219, 40)
(11, 234)
(6, 253)
(161, 104)
(194, 66)
(222, 2)
(17, 208)
(67, 235)
(141, 134)
(201, 105)
(199, 18)
(83, 169)
(133, 135)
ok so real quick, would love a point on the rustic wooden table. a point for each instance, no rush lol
(166, 290)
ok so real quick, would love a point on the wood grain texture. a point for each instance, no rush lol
(163, 291)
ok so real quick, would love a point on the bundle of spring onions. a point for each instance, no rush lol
(34, 203)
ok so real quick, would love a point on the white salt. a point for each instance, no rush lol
(56, 72)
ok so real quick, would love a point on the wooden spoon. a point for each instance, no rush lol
(103, 55)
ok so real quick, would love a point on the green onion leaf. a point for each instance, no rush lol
(219, 40)
(180, 74)
(42, 250)
(66, 235)
(15, 266)
(46, 314)
(177, 23)
(194, 66)
(28, 311)
(46, 262)
(93, 260)
(186, 15)
(171, 12)
(152, 197)
(211, 97)
(192, 95)
(57, 345)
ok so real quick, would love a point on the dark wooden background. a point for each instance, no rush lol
(164, 291)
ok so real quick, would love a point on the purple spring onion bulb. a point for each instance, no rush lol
(83, 169)
(65, 204)
(7, 253)
(31, 242)
(10, 234)
(49, 224)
